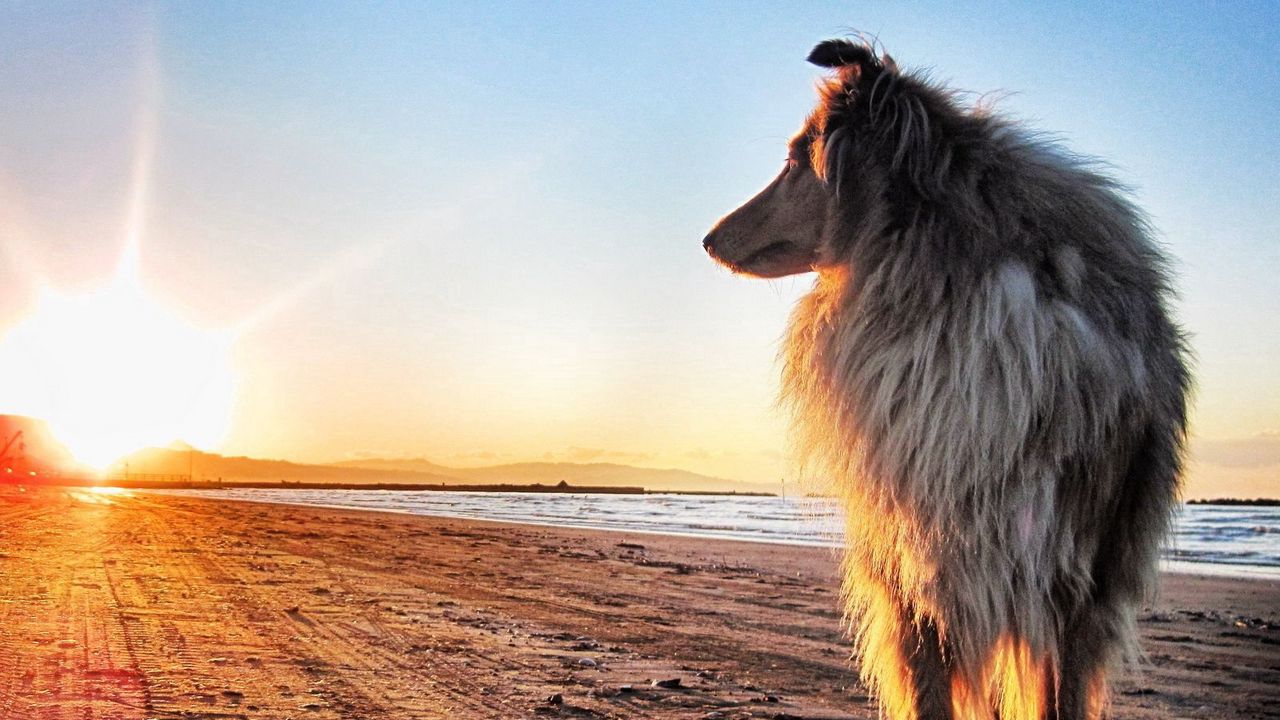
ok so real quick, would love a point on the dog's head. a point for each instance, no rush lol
(871, 127)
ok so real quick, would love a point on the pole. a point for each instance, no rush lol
(4, 452)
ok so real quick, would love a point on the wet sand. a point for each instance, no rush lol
(163, 607)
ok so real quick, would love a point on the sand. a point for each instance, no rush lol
(162, 607)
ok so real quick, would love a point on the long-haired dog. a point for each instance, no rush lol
(987, 370)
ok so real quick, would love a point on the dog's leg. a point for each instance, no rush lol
(1084, 654)
(1097, 633)
(930, 671)
(900, 657)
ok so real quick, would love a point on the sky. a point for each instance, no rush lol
(472, 233)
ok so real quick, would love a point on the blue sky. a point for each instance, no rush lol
(484, 220)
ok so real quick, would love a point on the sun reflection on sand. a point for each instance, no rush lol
(97, 495)
(111, 491)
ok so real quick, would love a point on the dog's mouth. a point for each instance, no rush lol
(774, 260)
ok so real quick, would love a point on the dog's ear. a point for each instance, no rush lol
(853, 62)
(840, 53)
(873, 111)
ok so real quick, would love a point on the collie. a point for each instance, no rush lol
(987, 371)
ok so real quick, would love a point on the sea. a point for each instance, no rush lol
(1207, 539)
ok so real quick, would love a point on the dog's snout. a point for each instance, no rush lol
(708, 241)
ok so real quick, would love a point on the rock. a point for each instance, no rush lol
(556, 699)
(587, 662)
(670, 684)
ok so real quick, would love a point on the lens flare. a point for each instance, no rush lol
(113, 371)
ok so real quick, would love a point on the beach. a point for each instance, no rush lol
(146, 606)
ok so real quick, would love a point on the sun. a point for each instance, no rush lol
(113, 370)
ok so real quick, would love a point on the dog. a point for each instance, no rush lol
(987, 371)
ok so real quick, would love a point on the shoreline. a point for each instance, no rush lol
(1167, 565)
(160, 606)
(833, 545)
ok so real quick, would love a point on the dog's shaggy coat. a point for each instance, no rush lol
(987, 370)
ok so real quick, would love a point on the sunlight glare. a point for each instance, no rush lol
(113, 371)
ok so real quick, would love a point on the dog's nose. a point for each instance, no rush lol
(708, 241)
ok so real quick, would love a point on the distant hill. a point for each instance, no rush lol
(551, 473)
(210, 466)
(1246, 502)
(36, 450)
(419, 465)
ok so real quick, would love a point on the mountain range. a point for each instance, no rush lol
(36, 449)
(28, 445)
(209, 466)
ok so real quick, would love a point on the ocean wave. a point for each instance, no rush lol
(1230, 537)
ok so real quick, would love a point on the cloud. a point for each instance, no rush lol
(578, 454)
(1261, 450)
(478, 455)
(581, 454)
(379, 455)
